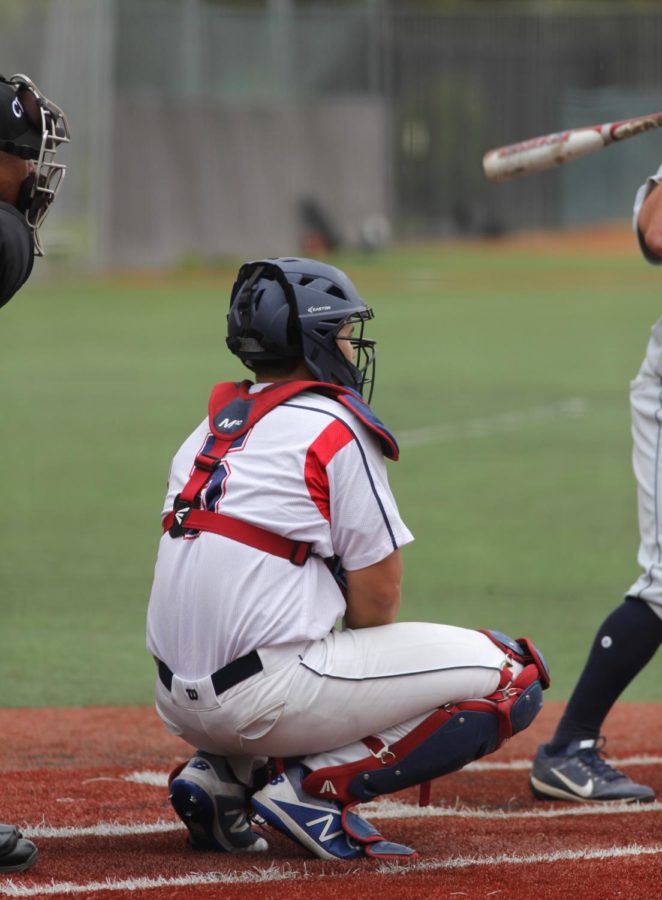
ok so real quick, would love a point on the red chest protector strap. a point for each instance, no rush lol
(232, 413)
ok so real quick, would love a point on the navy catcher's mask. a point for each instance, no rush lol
(33, 127)
(292, 308)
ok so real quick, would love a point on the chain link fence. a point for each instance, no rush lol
(205, 129)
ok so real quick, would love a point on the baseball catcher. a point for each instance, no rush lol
(278, 525)
(31, 131)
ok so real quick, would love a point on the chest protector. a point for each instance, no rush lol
(233, 411)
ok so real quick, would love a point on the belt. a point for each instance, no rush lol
(223, 679)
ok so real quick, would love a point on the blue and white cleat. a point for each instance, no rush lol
(212, 804)
(579, 772)
(321, 826)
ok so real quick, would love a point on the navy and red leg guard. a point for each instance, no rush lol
(447, 740)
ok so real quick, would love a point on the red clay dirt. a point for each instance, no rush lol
(69, 767)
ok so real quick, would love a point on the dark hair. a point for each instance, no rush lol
(276, 368)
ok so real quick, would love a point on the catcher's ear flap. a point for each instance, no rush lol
(26, 194)
(244, 307)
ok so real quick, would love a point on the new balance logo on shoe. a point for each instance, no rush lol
(328, 788)
(324, 834)
(239, 824)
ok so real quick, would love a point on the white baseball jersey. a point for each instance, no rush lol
(310, 471)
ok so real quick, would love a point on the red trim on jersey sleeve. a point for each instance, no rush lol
(320, 453)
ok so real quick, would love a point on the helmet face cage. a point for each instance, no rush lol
(318, 300)
(358, 371)
(48, 174)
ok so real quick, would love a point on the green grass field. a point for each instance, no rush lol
(523, 522)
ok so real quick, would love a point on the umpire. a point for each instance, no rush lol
(31, 130)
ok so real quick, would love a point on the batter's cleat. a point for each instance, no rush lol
(212, 804)
(16, 853)
(321, 826)
(579, 772)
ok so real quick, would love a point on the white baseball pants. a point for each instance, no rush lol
(646, 410)
(317, 699)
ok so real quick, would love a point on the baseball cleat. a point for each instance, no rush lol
(579, 772)
(321, 826)
(16, 853)
(212, 804)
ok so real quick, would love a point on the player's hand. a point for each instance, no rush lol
(13, 173)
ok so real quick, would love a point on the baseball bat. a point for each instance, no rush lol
(549, 150)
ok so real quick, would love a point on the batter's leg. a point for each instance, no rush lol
(572, 766)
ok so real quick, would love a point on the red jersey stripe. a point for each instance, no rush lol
(320, 453)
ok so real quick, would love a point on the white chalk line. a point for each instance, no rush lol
(101, 829)
(274, 873)
(254, 876)
(151, 777)
(378, 809)
(395, 809)
(584, 854)
(157, 778)
(486, 426)
(513, 764)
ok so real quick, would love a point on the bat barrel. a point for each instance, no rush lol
(540, 154)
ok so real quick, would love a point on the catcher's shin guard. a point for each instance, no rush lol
(448, 739)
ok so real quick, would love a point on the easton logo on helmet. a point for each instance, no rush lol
(314, 309)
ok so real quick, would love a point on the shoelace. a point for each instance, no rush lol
(595, 760)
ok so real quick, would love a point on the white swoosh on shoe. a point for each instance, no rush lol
(583, 790)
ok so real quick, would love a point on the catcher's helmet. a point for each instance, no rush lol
(33, 127)
(289, 308)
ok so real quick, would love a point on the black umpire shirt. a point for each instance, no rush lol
(16, 251)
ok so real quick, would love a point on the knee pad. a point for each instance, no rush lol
(523, 650)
